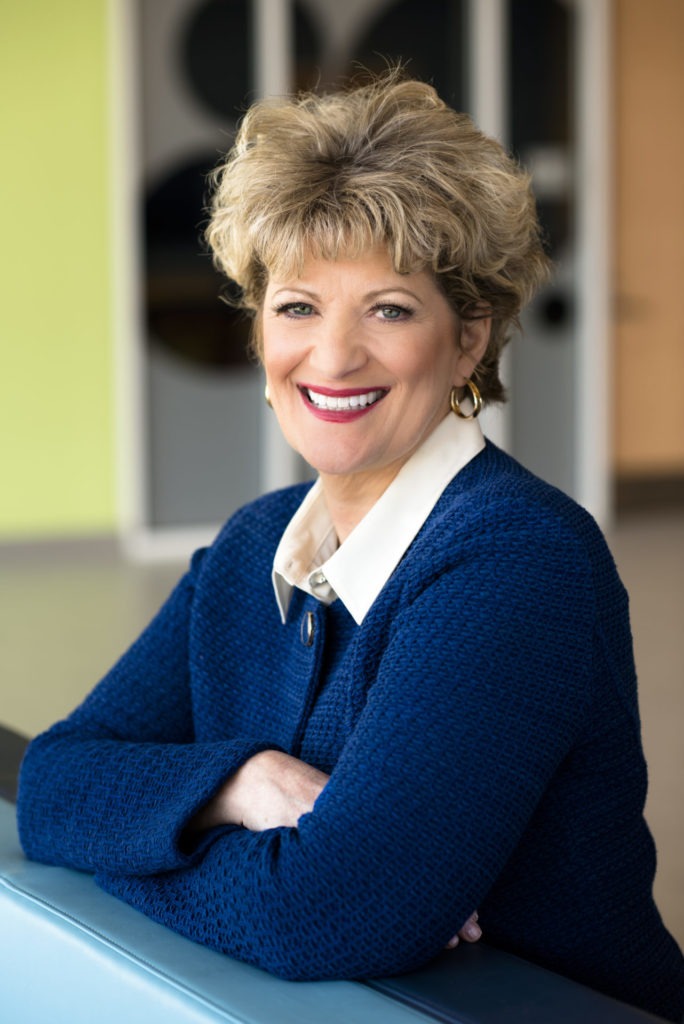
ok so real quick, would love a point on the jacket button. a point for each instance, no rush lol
(307, 629)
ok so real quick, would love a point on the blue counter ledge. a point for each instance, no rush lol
(71, 953)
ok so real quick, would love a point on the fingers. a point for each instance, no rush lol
(470, 931)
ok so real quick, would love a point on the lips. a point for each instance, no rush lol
(341, 405)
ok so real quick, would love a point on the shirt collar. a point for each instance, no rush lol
(358, 569)
(308, 541)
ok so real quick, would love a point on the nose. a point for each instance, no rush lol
(338, 349)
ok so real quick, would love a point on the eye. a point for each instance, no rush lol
(385, 311)
(295, 310)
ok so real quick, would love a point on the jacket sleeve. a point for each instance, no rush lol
(481, 692)
(114, 784)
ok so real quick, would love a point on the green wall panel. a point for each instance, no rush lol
(56, 380)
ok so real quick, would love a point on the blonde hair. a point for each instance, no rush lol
(387, 162)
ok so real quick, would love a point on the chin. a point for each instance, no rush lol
(332, 460)
(333, 467)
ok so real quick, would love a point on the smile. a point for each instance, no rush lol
(343, 405)
(343, 400)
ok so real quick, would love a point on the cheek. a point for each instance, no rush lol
(430, 364)
(279, 358)
(271, 351)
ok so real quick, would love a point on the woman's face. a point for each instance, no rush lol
(360, 360)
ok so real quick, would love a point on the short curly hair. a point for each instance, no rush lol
(381, 163)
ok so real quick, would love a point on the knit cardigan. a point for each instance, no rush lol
(480, 727)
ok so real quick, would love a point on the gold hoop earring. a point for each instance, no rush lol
(475, 396)
(267, 396)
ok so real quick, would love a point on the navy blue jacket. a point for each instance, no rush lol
(480, 727)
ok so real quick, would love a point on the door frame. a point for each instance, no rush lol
(595, 290)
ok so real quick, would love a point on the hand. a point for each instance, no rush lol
(271, 789)
(470, 931)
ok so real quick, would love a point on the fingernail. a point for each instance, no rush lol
(472, 931)
(452, 943)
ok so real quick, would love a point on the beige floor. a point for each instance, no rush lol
(650, 557)
(63, 621)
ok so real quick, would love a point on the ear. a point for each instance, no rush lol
(473, 341)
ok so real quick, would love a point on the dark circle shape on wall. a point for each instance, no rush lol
(185, 314)
(555, 311)
(540, 45)
(428, 36)
(555, 217)
(216, 55)
(307, 51)
(217, 44)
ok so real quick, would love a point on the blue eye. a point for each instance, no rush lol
(387, 312)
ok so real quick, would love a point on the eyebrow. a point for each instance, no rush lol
(368, 297)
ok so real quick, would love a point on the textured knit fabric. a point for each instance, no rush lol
(481, 728)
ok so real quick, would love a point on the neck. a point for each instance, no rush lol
(350, 496)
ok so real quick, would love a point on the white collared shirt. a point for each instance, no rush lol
(309, 556)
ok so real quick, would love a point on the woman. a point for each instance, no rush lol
(408, 692)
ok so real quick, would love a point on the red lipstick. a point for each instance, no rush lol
(346, 415)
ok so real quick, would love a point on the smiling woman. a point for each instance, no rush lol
(405, 695)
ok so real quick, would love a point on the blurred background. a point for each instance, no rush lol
(131, 422)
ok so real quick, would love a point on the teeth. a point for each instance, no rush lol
(348, 402)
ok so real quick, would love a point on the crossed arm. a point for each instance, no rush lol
(271, 790)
